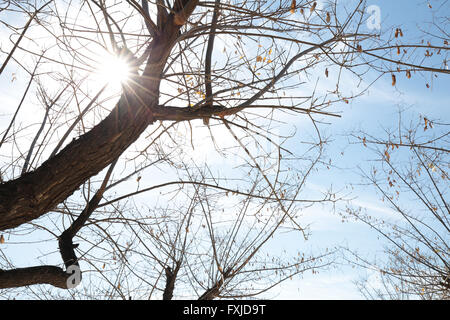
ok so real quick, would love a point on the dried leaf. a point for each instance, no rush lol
(388, 157)
(394, 80)
(328, 19)
(2, 239)
(398, 32)
(293, 5)
(313, 6)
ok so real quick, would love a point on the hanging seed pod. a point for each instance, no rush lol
(394, 80)
(408, 74)
(293, 5)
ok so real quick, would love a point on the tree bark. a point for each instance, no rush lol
(171, 276)
(215, 290)
(33, 275)
(36, 193)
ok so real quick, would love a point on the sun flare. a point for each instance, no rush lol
(112, 70)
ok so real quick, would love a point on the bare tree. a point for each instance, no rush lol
(410, 173)
(235, 65)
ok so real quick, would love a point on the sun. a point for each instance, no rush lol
(112, 70)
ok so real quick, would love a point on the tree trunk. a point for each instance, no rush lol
(38, 192)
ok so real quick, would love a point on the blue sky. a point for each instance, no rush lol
(373, 113)
(377, 109)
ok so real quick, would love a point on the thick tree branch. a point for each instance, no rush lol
(172, 113)
(20, 277)
(38, 192)
(53, 275)
(182, 10)
(171, 276)
(214, 291)
(66, 245)
(161, 12)
(209, 50)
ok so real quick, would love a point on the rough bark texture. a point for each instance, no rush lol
(38, 192)
(33, 275)
(171, 276)
(170, 284)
